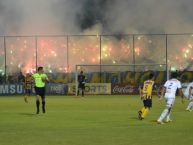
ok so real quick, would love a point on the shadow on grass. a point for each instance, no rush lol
(155, 121)
(134, 118)
(27, 114)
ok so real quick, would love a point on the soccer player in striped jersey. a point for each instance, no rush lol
(28, 86)
(169, 93)
(146, 96)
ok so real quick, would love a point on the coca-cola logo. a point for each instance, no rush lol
(122, 89)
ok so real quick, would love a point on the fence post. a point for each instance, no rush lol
(5, 57)
(36, 42)
(100, 40)
(134, 52)
(167, 68)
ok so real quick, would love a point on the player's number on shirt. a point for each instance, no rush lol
(170, 85)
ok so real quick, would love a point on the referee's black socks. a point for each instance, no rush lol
(38, 106)
(43, 107)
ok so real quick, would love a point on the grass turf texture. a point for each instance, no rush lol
(93, 120)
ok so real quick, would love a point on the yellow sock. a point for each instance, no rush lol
(146, 111)
(143, 109)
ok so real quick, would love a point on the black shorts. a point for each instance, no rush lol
(28, 92)
(81, 86)
(40, 91)
(147, 103)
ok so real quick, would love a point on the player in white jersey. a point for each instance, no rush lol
(189, 95)
(169, 93)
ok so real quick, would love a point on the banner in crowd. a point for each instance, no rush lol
(17, 89)
(92, 88)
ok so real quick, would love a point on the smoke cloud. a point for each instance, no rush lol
(68, 17)
(150, 16)
(38, 17)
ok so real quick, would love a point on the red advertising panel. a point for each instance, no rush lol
(124, 89)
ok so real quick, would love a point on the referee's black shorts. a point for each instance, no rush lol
(40, 91)
(28, 92)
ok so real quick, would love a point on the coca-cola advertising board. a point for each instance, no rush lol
(124, 89)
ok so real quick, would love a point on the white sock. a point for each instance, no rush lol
(163, 115)
(168, 117)
(190, 105)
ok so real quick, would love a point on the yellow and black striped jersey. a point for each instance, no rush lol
(28, 82)
(147, 89)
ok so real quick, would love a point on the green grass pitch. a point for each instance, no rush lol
(93, 120)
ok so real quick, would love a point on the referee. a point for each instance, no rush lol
(39, 79)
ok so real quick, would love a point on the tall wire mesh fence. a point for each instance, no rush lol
(60, 54)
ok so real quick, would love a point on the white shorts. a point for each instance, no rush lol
(169, 102)
(191, 98)
(187, 97)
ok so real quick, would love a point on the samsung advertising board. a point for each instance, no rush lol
(17, 89)
(11, 89)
